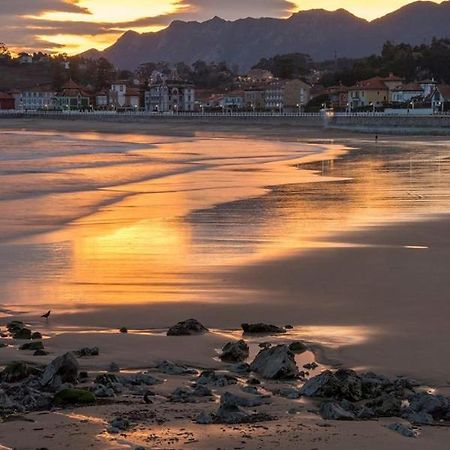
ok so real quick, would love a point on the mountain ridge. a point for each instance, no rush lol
(318, 32)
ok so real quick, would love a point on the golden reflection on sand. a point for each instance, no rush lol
(153, 222)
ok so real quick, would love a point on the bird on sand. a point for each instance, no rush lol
(46, 315)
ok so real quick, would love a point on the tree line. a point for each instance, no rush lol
(405, 60)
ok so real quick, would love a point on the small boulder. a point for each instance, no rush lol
(311, 366)
(124, 330)
(261, 328)
(298, 347)
(38, 345)
(22, 334)
(120, 423)
(102, 391)
(229, 411)
(343, 384)
(171, 368)
(241, 368)
(216, 379)
(36, 335)
(187, 328)
(436, 406)
(403, 430)
(73, 397)
(291, 393)
(86, 352)
(17, 371)
(235, 352)
(63, 369)
(188, 395)
(275, 363)
(228, 398)
(205, 418)
(14, 326)
(333, 411)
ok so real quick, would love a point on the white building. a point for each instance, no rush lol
(440, 98)
(41, 97)
(232, 101)
(428, 86)
(170, 96)
(407, 93)
(122, 96)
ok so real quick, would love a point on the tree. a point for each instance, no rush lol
(289, 66)
(4, 52)
(105, 74)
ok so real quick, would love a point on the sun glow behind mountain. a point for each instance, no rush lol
(73, 26)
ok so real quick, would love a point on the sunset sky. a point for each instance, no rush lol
(75, 25)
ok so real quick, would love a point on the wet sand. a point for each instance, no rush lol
(364, 282)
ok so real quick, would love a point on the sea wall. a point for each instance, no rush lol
(390, 124)
(378, 123)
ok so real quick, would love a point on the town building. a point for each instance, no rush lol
(72, 97)
(231, 101)
(6, 101)
(428, 86)
(287, 95)
(338, 96)
(170, 96)
(371, 92)
(407, 93)
(254, 99)
(440, 98)
(40, 97)
(102, 100)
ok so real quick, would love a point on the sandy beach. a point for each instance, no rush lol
(141, 226)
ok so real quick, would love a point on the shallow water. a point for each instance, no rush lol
(117, 219)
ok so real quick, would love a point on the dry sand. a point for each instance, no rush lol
(378, 300)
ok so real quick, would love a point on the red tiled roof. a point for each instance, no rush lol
(375, 84)
(132, 92)
(444, 89)
(5, 96)
(72, 89)
(408, 87)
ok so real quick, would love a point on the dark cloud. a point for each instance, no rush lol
(22, 31)
(233, 9)
(32, 7)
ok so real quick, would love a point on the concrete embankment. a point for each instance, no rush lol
(437, 125)
(412, 124)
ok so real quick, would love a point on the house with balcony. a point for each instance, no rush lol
(231, 100)
(338, 96)
(36, 98)
(254, 98)
(407, 93)
(73, 97)
(170, 96)
(440, 98)
(373, 92)
(287, 95)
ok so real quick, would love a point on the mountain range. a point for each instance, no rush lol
(321, 34)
